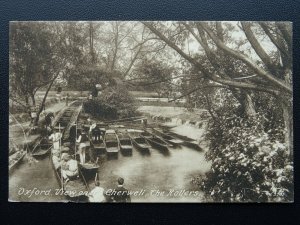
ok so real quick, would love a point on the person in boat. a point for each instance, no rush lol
(69, 167)
(73, 136)
(83, 144)
(95, 132)
(97, 194)
(89, 121)
(120, 194)
(144, 122)
(55, 137)
(56, 160)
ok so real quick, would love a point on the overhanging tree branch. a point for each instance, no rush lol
(247, 61)
(275, 41)
(257, 47)
(205, 72)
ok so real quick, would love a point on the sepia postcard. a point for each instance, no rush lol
(151, 111)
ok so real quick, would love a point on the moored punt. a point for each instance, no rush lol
(89, 166)
(111, 142)
(154, 140)
(193, 144)
(189, 142)
(42, 149)
(75, 189)
(15, 159)
(168, 137)
(124, 141)
(138, 141)
(98, 145)
(89, 169)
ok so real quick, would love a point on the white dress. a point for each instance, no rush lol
(55, 138)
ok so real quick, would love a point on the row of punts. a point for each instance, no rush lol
(121, 139)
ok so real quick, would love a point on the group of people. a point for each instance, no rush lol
(83, 141)
(80, 139)
(120, 194)
(61, 158)
(69, 166)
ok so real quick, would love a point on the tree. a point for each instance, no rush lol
(155, 76)
(29, 53)
(211, 38)
(249, 77)
(37, 59)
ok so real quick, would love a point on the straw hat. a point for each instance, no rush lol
(65, 156)
(65, 149)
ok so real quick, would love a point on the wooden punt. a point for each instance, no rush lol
(75, 189)
(111, 142)
(168, 137)
(98, 145)
(15, 159)
(89, 170)
(154, 140)
(138, 141)
(124, 141)
(42, 148)
(189, 142)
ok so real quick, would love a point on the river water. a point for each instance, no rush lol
(156, 177)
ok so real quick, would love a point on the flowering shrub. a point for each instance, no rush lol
(249, 163)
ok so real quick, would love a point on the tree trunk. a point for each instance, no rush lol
(287, 111)
(26, 100)
(247, 104)
(92, 43)
(43, 102)
(210, 109)
(32, 99)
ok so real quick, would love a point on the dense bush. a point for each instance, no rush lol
(112, 103)
(249, 162)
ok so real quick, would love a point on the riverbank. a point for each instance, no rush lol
(17, 131)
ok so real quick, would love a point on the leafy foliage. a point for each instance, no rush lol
(30, 58)
(248, 163)
(113, 103)
(155, 76)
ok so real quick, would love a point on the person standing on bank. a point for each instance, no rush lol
(121, 194)
(83, 144)
(67, 99)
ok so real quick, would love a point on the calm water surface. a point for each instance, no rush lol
(156, 177)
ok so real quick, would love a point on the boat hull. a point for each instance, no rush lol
(42, 153)
(156, 144)
(169, 138)
(17, 163)
(89, 170)
(111, 142)
(72, 195)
